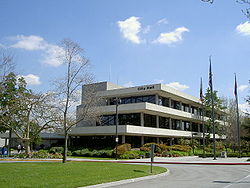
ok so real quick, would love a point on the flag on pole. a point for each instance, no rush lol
(210, 74)
(201, 93)
(235, 86)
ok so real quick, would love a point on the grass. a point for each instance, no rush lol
(68, 175)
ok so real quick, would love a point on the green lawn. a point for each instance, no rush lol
(71, 174)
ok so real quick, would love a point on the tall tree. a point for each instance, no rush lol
(25, 113)
(218, 105)
(67, 89)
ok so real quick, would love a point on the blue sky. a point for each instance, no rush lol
(132, 42)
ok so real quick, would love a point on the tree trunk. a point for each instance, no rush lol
(65, 147)
(27, 147)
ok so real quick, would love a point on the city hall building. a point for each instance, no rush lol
(149, 113)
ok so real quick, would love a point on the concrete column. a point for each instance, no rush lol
(182, 126)
(157, 122)
(181, 106)
(169, 102)
(142, 140)
(156, 99)
(199, 126)
(191, 125)
(158, 140)
(190, 109)
(170, 123)
(123, 139)
(142, 119)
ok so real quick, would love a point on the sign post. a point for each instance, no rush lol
(152, 157)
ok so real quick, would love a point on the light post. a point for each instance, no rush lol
(117, 102)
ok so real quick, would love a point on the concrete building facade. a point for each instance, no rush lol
(148, 113)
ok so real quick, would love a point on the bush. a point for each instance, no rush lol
(56, 150)
(132, 154)
(121, 149)
(102, 153)
(69, 153)
(40, 154)
(21, 155)
(181, 148)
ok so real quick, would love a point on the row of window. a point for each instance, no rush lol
(149, 121)
(163, 101)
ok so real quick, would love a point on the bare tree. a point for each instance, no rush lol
(6, 63)
(245, 11)
(67, 89)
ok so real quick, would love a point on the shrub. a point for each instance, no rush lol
(181, 148)
(144, 148)
(40, 154)
(102, 153)
(21, 155)
(163, 147)
(148, 145)
(132, 154)
(121, 149)
(56, 150)
(69, 153)
(56, 156)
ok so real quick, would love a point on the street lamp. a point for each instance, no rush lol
(117, 102)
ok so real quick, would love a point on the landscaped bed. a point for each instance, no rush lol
(71, 174)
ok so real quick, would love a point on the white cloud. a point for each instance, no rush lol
(33, 42)
(162, 21)
(244, 107)
(130, 29)
(171, 37)
(129, 84)
(243, 87)
(244, 28)
(31, 79)
(51, 55)
(178, 86)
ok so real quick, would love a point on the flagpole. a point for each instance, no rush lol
(203, 126)
(212, 100)
(238, 119)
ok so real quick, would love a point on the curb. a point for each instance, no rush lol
(121, 182)
(183, 163)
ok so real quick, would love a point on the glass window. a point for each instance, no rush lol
(149, 120)
(164, 122)
(176, 124)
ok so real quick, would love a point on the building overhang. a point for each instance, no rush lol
(131, 130)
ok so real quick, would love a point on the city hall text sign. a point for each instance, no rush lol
(146, 87)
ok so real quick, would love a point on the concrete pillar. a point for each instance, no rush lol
(170, 123)
(169, 102)
(157, 122)
(182, 125)
(158, 140)
(190, 109)
(199, 126)
(123, 139)
(142, 140)
(142, 119)
(156, 99)
(181, 106)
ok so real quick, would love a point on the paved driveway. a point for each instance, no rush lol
(185, 176)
